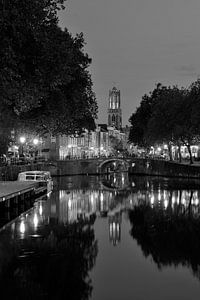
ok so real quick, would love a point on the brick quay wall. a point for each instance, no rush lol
(164, 168)
(91, 166)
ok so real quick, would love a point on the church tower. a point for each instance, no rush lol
(114, 109)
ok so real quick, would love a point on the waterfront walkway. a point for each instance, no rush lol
(11, 189)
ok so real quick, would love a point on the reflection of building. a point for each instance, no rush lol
(115, 228)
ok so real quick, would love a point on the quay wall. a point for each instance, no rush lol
(78, 167)
(164, 168)
(137, 166)
(91, 166)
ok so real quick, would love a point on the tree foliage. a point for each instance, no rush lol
(116, 144)
(44, 81)
(140, 119)
(168, 115)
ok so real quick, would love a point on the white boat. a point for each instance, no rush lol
(43, 178)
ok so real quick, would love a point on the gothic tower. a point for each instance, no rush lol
(114, 109)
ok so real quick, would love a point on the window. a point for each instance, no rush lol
(30, 177)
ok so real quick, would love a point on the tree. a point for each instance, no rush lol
(44, 81)
(140, 119)
(168, 115)
(162, 126)
(116, 144)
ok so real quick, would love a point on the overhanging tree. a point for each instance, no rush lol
(44, 80)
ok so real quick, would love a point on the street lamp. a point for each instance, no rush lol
(35, 141)
(22, 140)
(70, 151)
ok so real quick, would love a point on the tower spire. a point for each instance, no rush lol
(114, 109)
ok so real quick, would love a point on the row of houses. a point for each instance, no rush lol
(101, 142)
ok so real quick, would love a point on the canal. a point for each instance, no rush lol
(102, 238)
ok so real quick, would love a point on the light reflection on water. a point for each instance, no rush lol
(112, 225)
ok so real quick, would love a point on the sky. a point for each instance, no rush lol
(135, 44)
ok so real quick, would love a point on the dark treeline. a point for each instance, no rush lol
(168, 115)
(45, 85)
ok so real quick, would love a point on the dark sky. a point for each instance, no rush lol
(135, 44)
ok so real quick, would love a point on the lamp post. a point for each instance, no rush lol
(22, 140)
(70, 153)
(35, 143)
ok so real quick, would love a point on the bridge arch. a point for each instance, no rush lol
(124, 162)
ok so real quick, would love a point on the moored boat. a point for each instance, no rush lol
(43, 178)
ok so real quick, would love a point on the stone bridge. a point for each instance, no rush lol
(92, 166)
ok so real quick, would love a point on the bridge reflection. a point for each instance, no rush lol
(115, 181)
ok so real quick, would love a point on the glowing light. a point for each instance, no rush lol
(40, 210)
(165, 204)
(92, 198)
(159, 196)
(122, 179)
(35, 220)
(35, 141)
(69, 203)
(22, 227)
(22, 139)
(101, 197)
(152, 200)
(184, 201)
(113, 226)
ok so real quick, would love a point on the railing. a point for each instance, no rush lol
(21, 161)
(93, 157)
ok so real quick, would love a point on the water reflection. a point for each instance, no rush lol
(46, 262)
(115, 181)
(52, 247)
(169, 237)
(73, 204)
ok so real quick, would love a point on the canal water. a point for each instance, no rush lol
(102, 238)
